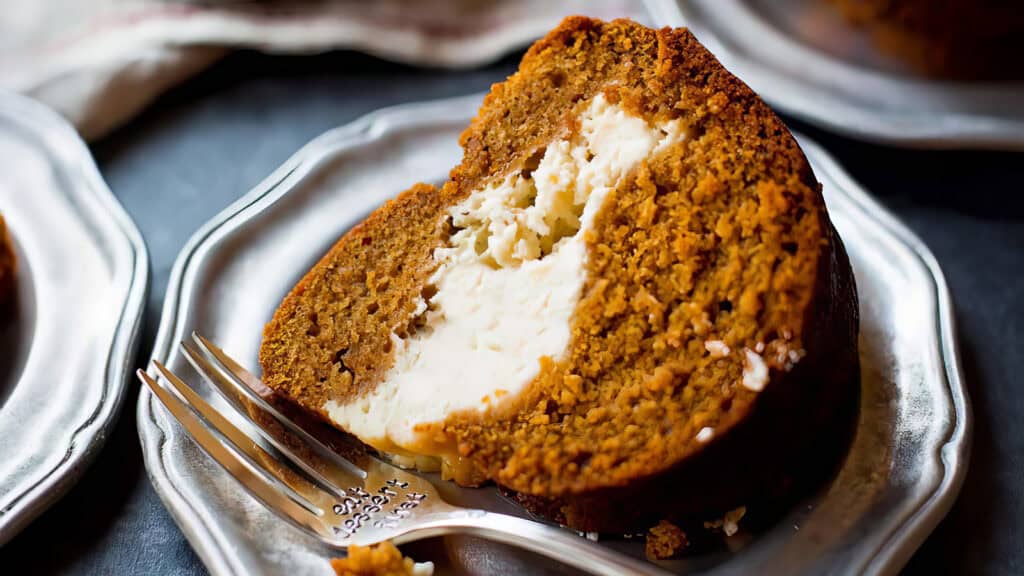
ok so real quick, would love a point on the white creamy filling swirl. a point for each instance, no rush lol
(506, 285)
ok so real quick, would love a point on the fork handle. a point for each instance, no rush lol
(556, 543)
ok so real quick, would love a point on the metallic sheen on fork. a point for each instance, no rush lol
(305, 482)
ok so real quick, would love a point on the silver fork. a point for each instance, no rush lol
(314, 488)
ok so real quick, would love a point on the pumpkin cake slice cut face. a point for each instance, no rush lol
(629, 283)
(505, 285)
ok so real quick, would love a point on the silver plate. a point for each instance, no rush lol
(904, 470)
(803, 59)
(68, 354)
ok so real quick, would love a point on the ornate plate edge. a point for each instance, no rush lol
(90, 435)
(954, 453)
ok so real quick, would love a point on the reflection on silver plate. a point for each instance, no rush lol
(803, 59)
(70, 345)
(904, 469)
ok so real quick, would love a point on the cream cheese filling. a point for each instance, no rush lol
(506, 285)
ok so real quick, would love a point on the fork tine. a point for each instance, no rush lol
(241, 441)
(242, 381)
(243, 444)
(323, 472)
(247, 447)
(279, 498)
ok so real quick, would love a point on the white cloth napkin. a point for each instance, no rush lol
(99, 62)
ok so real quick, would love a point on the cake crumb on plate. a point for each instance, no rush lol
(665, 541)
(383, 559)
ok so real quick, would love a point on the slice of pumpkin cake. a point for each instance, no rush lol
(626, 304)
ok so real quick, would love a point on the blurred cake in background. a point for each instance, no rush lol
(7, 265)
(961, 39)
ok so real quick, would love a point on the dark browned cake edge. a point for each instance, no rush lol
(8, 268)
(791, 443)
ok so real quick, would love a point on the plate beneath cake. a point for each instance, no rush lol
(68, 344)
(905, 466)
(802, 58)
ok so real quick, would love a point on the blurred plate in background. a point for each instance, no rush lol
(68, 350)
(806, 61)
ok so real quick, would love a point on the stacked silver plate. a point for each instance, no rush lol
(66, 357)
(903, 471)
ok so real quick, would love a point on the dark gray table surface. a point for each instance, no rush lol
(204, 144)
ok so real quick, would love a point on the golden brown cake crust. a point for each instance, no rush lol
(723, 237)
(8, 266)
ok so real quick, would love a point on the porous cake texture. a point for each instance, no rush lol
(626, 304)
